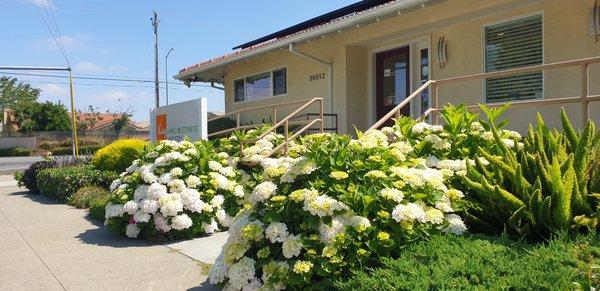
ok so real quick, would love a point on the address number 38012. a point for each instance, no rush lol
(316, 77)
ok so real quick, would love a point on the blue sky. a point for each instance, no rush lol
(113, 38)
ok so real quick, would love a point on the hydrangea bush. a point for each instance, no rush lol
(176, 189)
(331, 205)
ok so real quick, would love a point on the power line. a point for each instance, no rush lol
(123, 79)
(112, 85)
(60, 48)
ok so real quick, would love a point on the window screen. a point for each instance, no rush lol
(279, 82)
(510, 45)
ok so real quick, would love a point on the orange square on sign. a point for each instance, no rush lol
(161, 127)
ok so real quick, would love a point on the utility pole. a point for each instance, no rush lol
(155, 25)
(167, 75)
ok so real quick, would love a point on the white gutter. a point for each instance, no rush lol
(329, 65)
(396, 7)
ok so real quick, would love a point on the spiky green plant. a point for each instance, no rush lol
(547, 183)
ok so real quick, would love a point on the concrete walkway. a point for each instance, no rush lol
(45, 245)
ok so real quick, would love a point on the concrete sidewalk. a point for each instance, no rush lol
(52, 246)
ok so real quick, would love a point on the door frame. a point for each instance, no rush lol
(379, 77)
(413, 44)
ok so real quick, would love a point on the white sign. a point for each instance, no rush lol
(178, 121)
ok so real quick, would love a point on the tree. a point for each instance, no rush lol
(45, 116)
(14, 93)
(122, 119)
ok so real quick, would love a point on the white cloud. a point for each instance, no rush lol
(80, 41)
(89, 67)
(53, 90)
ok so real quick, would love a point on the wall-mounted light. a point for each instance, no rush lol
(442, 53)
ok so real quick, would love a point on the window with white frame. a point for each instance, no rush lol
(260, 86)
(513, 44)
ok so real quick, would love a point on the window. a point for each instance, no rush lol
(510, 45)
(260, 86)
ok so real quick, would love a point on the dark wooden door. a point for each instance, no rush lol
(392, 83)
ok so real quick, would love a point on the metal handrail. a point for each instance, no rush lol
(238, 113)
(584, 99)
(286, 122)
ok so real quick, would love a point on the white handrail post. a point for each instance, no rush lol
(274, 114)
(585, 103)
(286, 134)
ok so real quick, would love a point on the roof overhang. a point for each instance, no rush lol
(214, 70)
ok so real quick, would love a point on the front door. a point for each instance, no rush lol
(392, 80)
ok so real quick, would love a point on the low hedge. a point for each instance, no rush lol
(118, 155)
(28, 178)
(84, 197)
(480, 263)
(61, 183)
(15, 152)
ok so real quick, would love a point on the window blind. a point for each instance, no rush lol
(510, 45)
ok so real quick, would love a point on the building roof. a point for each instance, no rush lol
(332, 22)
(104, 120)
(319, 20)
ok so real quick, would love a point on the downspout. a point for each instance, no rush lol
(329, 65)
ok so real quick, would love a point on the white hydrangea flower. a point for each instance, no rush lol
(221, 181)
(181, 221)
(359, 222)
(149, 206)
(420, 127)
(149, 177)
(152, 155)
(276, 232)
(210, 228)
(292, 246)
(176, 185)
(161, 223)
(114, 185)
(217, 201)
(214, 166)
(224, 219)
(239, 191)
(192, 181)
(141, 192)
(170, 204)
(165, 178)
(262, 192)
(113, 210)
(241, 273)
(141, 216)
(456, 224)
(176, 172)
(156, 190)
(444, 204)
(130, 207)
(132, 230)
(392, 194)
(434, 216)
(323, 205)
(408, 212)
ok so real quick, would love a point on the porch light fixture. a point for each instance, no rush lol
(442, 52)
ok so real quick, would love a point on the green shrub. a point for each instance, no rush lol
(118, 155)
(61, 183)
(15, 152)
(97, 208)
(83, 197)
(540, 186)
(28, 178)
(466, 263)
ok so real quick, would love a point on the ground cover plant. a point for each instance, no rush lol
(176, 189)
(483, 263)
(61, 183)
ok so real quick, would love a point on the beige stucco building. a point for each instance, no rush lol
(367, 58)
